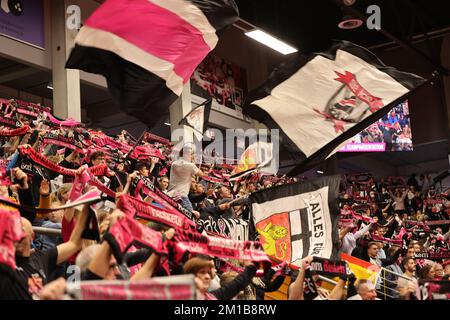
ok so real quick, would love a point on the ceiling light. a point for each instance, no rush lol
(50, 85)
(270, 41)
(349, 23)
(319, 172)
(167, 124)
(349, 2)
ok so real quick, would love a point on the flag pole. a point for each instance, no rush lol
(200, 105)
(138, 141)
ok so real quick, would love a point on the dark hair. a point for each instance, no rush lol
(97, 154)
(423, 274)
(139, 166)
(405, 262)
(372, 243)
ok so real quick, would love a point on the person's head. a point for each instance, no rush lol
(202, 269)
(409, 265)
(417, 247)
(85, 257)
(224, 192)
(63, 192)
(410, 253)
(392, 250)
(439, 230)
(193, 185)
(447, 269)
(251, 187)
(56, 216)
(98, 158)
(438, 271)
(23, 247)
(366, 290)
(199, 188)
(142, 169)
(227, 277)
(187, 154)
(427, 272)
(372, 250)
(164, 183)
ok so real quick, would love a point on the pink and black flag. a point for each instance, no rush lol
(320, 102)
(148, 49)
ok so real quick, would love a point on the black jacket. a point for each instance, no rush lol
(239, 283)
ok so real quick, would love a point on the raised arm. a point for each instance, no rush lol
(358, 234)
(150, 265)
(296, 290)
(100, 263)
(69, 248)
(242, 280)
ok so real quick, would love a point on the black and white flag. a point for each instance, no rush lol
(321, 102)
(148, 49)
(298, 220)
(198, 119)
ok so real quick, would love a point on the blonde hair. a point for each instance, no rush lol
(63, 189)
(227, 277)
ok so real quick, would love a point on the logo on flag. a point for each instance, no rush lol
(297, 220)
(350, 103)
(347, 85)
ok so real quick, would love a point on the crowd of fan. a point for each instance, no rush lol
(43, 260)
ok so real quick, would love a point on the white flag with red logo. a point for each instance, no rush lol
(321, 102)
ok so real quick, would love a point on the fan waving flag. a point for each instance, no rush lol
(298, 220)
(321, 102)
(148, 49)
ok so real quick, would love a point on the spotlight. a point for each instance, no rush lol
(349, 3)
(348, 21)
(50, 85)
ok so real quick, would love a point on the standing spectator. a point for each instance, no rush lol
(181, 173)
(407, 283)
(412, 181)
(97, 158)
(349, 238)
(163, 184)
(399, 199)
(427, 272)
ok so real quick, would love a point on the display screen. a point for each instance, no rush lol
(391, 133)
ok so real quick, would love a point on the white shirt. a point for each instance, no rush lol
(349, 240)
(181, 173)
(358, 297)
